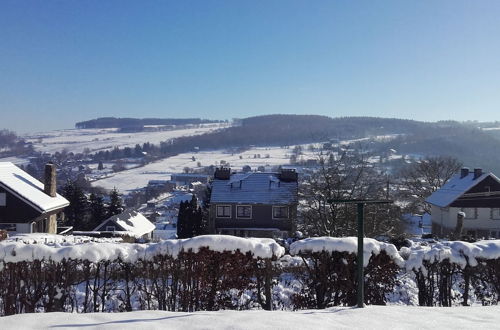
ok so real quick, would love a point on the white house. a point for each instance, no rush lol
(477, 194)
(130, 223)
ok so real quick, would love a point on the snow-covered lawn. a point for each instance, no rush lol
(161, 170)
(372, 317)
(77, 140)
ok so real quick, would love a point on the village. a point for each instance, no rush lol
(249, 164)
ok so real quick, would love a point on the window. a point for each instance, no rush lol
(244, 211)
(470, 212)
(280, 212)
(110, 228)
(494, 234)
(495, 214)
(3, 199)
(223, 211)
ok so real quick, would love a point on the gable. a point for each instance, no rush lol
(484, 194)
(109, 222)
(16, 210)
(29, 189)
(455, 188)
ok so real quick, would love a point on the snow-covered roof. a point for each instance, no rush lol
(29, 189)
(254, 188)
(455, 188)
(131, 222)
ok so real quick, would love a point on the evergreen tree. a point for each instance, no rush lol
(190, 219)
(100, 166)
(181, 221)
(115, 204)
(98, 211)
(77, 211)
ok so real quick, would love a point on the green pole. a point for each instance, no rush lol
(360, 255)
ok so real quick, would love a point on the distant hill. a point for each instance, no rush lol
(297, 129)
(112, 122)
(473, 146)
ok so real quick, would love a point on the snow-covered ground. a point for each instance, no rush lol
(371, 317)
(77, 140)
(15, 160)
(161, 170)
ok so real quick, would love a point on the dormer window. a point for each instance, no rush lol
(3, 199)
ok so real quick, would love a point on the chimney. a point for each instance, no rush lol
(477, 173)
(288, 175)
(464, 172)
(222, 173)
(50, 180)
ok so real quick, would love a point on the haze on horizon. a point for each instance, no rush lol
(63, 62)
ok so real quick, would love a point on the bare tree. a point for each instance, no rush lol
(345, 176)
(419, 180)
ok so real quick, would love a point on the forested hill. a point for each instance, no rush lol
(112, 122)
(464, 141)
(307, 128)
(296, 129)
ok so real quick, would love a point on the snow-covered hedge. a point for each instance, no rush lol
(346, 244)
(448, 272)
(329, 271)
(459, 253)
(224, 272)
(96, 252)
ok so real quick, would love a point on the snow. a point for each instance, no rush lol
(371, 317)
(77, 140)
(132, 222)
(460, 253)
(163, 169)
(36, 238)
(29, 189)
(346, 244)
(18, 251)
(455, 188)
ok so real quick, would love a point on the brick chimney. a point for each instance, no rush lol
(477, 173)
(464, 172)
(50, 183)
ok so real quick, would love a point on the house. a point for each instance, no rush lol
(26, 204)
(128, 223)
(475, 196)
(253, 204)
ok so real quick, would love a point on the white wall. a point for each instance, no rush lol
(447, 217)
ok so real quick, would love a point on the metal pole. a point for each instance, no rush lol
(360, 255)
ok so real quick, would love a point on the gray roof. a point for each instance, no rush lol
(455, 188)
(254, 188)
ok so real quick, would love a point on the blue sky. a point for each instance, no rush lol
(66, 61)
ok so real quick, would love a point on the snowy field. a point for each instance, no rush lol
(77, 140)
(371, 317)
(161, 170)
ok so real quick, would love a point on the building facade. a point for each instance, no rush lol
(473, 195)
(253, 204)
